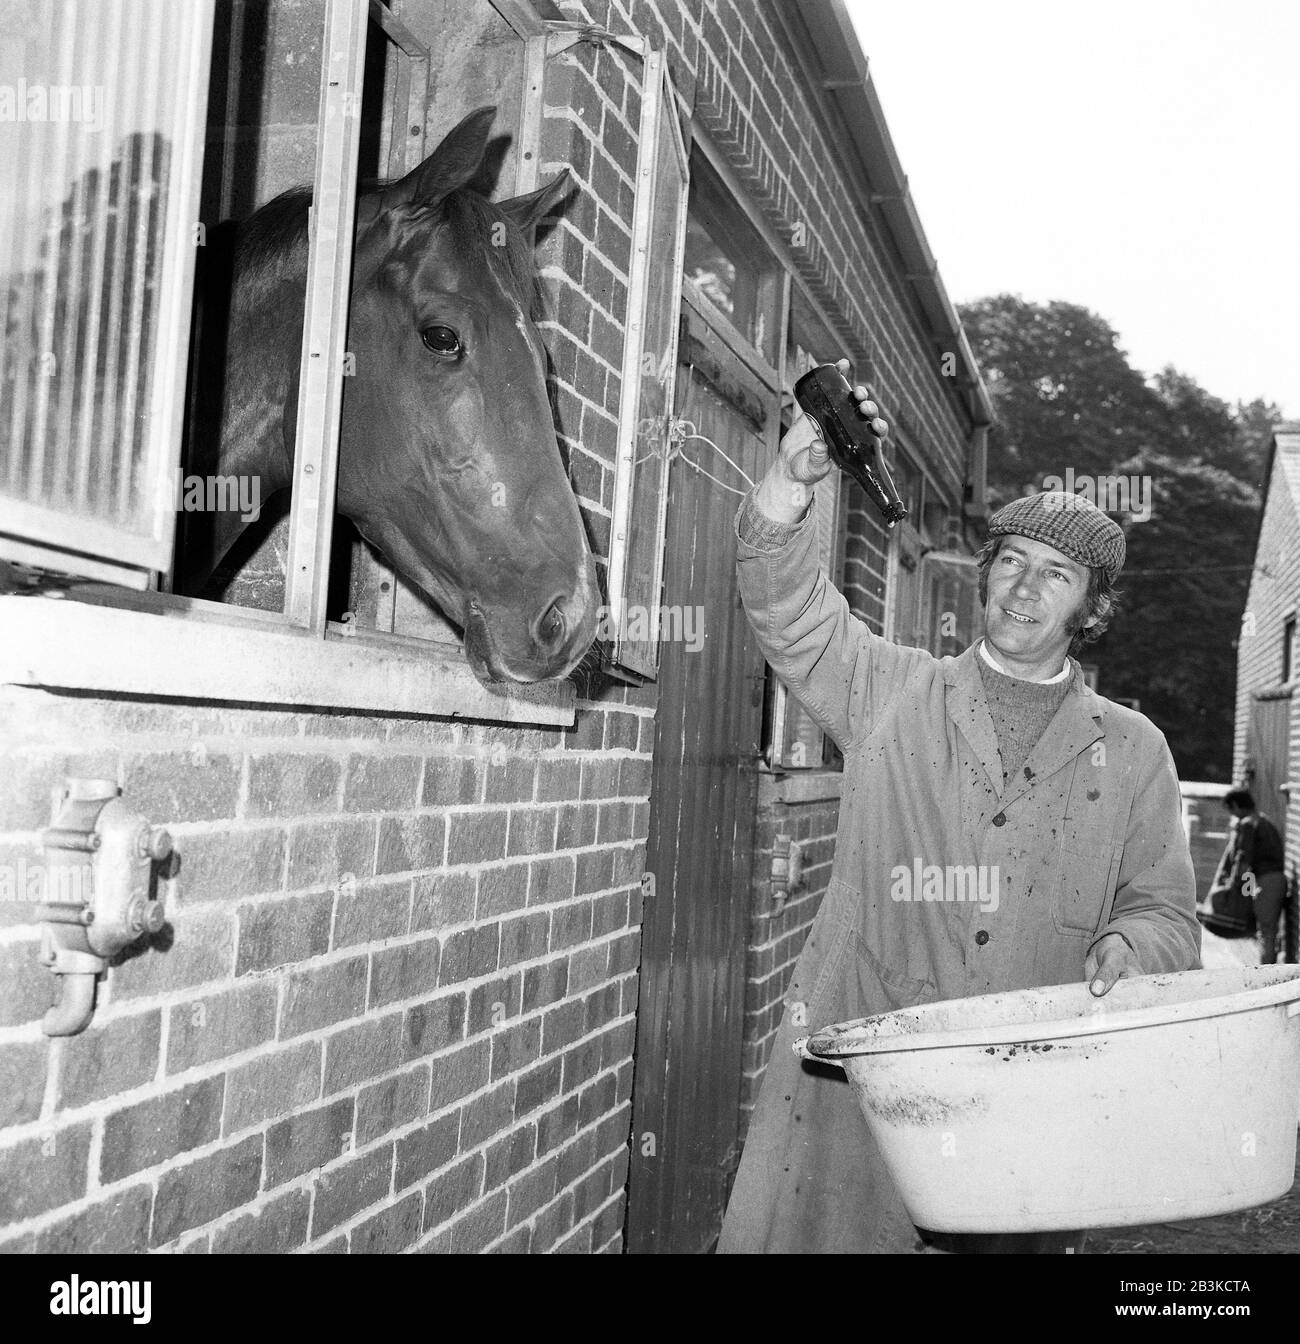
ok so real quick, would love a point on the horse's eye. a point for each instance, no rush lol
(441, 340)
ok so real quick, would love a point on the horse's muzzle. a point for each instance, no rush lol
(507, 645)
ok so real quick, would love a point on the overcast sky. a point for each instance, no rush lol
(1139, 157)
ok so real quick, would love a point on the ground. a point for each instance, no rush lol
(1271, 1229)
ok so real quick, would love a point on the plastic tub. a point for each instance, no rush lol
(1174, 1096)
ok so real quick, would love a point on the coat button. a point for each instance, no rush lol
(982, 937)
(1000, 819)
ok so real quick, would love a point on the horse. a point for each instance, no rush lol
(448, 460)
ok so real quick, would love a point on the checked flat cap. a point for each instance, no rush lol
(1071, 523)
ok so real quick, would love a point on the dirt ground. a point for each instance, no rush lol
(1271, 1229)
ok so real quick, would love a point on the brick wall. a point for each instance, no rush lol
(394, 1008)
(778, 930)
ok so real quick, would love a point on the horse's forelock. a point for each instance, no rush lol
(482, 233)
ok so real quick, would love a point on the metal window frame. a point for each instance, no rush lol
(325, 318)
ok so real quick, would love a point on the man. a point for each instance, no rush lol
(1255, 850)
(1002, 760)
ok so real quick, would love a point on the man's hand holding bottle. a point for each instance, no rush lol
(784, 494)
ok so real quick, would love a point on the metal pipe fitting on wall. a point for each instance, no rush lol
(104, 890)
(787, 870)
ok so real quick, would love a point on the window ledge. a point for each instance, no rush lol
(52, 642)
(807, 786)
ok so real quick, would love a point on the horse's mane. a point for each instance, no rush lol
(272, 246)
(272, 242)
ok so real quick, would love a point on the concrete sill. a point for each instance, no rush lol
(804, 786)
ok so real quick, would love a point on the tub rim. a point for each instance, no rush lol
(851, 1039)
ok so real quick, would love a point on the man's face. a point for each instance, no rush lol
(1036, 599)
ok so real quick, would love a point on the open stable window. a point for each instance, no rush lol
(98, 234)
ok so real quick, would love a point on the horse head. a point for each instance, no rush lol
(448, 460)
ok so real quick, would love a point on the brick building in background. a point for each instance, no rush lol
(448, 969)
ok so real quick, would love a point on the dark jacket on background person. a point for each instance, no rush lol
(1257, 846)
(1087, 839)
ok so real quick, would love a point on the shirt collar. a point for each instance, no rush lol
(997, 667)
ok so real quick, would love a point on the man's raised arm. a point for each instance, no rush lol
(829, 659)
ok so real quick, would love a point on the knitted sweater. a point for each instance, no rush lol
(1020, 710)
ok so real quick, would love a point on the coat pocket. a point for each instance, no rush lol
(881, 990)
(1083, 889)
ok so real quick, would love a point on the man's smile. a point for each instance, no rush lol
(1015, 615)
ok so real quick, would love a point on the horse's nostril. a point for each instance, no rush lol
(549, 629)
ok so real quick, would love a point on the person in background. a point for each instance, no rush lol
(1256, 848)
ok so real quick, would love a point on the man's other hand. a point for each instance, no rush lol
(1111, 959)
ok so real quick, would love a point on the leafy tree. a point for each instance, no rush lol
(1063, 392)
(1065, 397)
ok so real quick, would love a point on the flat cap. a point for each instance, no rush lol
(1072, 524)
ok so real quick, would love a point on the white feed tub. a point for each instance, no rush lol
(1174, 1096)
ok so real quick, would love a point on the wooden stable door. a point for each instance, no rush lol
(686, 1093)
(1269, 747)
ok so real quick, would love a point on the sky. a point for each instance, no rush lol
(1138, 157)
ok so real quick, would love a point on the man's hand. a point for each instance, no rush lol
(1111, 959)
(784, 494)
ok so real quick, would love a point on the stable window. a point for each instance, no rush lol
(727, 262)
(89, 474)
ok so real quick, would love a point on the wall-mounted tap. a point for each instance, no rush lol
(102, 857)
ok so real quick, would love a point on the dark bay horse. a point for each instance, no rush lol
(448, 460)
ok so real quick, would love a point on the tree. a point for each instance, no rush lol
(1066, 397)
(1063, 392)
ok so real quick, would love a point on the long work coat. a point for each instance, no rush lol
(1086, 840)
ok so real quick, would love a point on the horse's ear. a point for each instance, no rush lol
(525, 211)
(449, 167)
